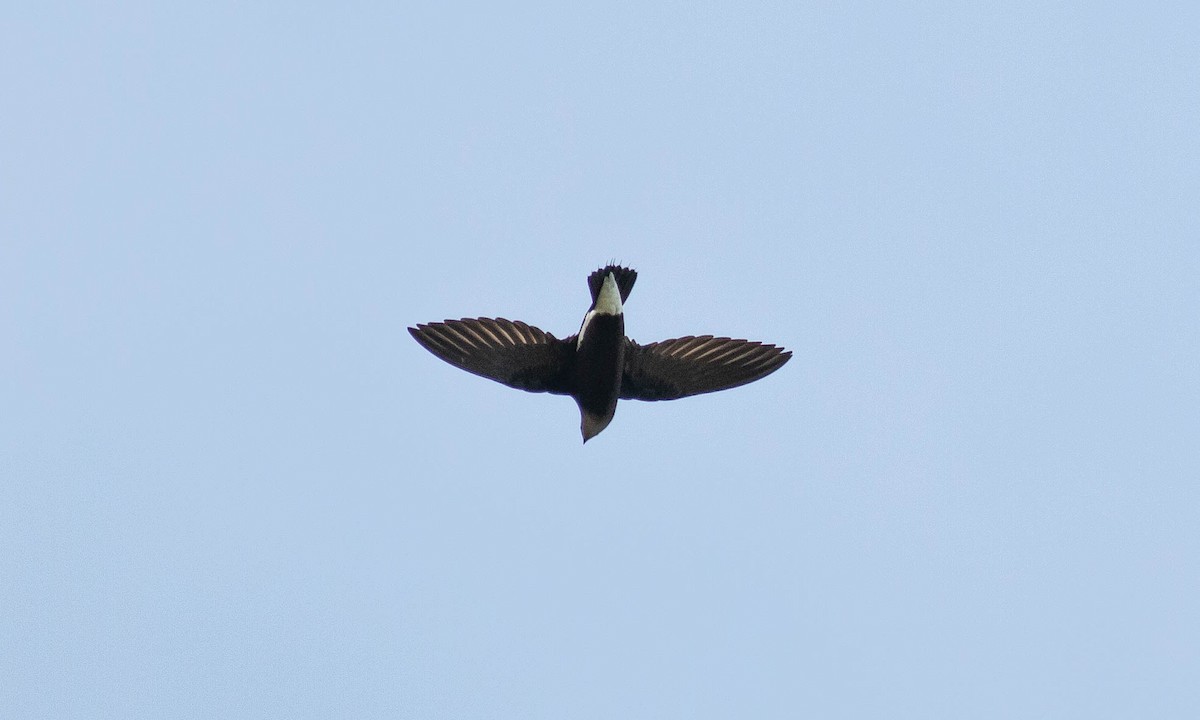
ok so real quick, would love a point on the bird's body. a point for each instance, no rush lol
(598, 365)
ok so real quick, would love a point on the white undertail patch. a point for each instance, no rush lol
(608, 302)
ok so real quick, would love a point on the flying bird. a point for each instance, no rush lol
(598, 365)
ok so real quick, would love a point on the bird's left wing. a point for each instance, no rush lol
(693, 365)
(507, 351)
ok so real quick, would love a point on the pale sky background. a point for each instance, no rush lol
(232, 486)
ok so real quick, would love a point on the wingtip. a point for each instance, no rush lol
(781, 357)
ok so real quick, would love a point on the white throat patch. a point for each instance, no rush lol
(608, 302)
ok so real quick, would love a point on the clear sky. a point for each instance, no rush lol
(232, 486)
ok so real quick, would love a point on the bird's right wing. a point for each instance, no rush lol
(693, 365)
(507, 351)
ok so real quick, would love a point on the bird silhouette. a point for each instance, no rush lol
(598, 365)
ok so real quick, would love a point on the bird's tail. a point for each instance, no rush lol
(624, 276)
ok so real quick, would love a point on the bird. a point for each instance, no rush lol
(599, 365)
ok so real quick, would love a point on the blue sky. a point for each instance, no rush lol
(232, 486)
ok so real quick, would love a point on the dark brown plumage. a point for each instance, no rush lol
(598, 365)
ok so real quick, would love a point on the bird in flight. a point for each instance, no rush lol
(598, 365)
